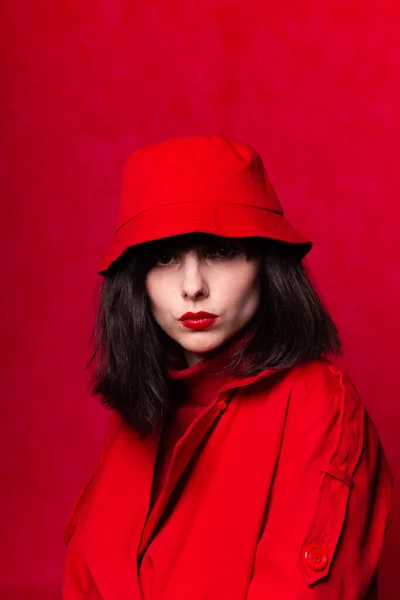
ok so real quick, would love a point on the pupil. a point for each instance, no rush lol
(224, 250)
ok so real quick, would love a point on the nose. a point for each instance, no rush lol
(194, 284)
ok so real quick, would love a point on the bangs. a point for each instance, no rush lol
(193, 241)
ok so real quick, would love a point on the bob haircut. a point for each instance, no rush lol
(132, 354)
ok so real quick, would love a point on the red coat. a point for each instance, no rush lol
(289, 497)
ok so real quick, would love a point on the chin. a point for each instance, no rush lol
(202, 346)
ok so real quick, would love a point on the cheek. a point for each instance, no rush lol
(242, 288)
(250, 297)
(161, 292)
(153, 288)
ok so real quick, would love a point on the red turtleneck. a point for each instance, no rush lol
(201, 384)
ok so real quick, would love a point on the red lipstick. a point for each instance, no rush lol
(198, 321)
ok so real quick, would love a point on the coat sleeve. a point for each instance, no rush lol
(330, 500)
(77, 583)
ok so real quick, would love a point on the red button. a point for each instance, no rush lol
(221, 405)
(315, 557)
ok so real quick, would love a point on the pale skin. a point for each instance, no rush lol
(219, 279)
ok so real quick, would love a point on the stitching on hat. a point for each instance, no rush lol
(275, 212)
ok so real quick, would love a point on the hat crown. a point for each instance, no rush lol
(213, 184)
(207, 168)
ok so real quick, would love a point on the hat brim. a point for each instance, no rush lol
(222, 219)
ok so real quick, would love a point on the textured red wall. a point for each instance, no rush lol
(313, 85)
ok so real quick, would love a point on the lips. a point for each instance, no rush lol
(198, 315)
(198, 321)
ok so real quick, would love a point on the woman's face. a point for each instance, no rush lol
(215, 277)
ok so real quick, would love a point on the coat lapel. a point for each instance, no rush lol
(187, 446)
(183, 453)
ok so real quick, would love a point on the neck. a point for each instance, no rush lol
(192, 358)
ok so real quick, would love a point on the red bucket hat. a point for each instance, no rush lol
(207, 183)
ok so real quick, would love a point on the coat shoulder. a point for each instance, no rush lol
(326, 407)
(324, 384)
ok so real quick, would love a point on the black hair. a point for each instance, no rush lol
(132, 353)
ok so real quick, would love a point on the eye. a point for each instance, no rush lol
(164, 259)
(223, 251)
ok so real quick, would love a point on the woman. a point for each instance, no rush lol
(240, 462)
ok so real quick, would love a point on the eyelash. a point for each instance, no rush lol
(231, 247)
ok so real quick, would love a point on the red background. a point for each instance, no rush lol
(314, 86)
